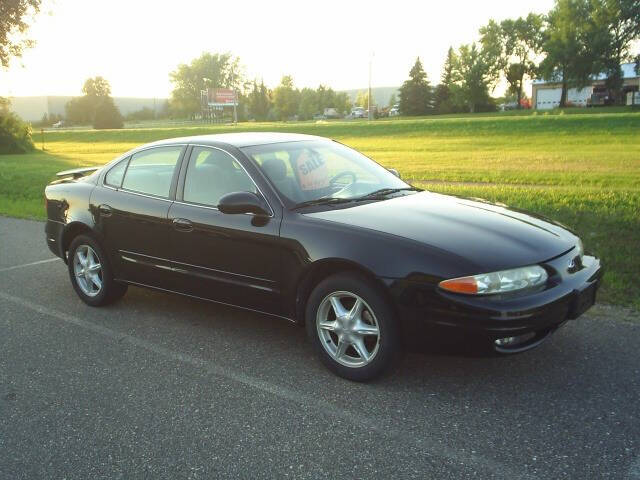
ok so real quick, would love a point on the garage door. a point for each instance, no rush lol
(579, 97)
(548, 98)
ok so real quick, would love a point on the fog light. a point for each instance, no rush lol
(513, 341)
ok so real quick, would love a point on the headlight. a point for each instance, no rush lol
(497, 282)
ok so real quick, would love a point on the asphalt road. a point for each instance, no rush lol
(160, 386)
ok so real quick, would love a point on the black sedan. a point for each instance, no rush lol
(307, 229)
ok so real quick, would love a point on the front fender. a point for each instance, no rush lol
(309, 243)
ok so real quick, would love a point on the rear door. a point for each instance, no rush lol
(233, 259)
(132, 206)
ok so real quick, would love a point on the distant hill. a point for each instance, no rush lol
(381, 95)
(33, 108)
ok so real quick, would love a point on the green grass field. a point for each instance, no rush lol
(582, 170)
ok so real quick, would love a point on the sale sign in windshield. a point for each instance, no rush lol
(312, 171)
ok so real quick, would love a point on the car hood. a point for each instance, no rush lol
(490, 236)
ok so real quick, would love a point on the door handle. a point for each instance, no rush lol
(182, 224)
(105, 210)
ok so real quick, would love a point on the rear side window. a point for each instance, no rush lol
(115, 175)
(151, 171)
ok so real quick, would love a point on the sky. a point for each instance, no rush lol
(134, 44)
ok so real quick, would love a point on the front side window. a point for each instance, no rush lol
(212, 173)
(318, 169)
(151, 171)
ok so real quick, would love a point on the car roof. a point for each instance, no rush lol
(242, 139)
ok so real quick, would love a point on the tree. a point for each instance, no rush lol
(96, 87)
(308, 104)
(512, 45)
(615, 25)
(392, 100)
(342, 103)
(362, 99)
(443, 94)
(474, 73)
(259, 102)
(15, 135)
(13, 25)
(326, 97)
(209, 70)
(107, 114)
(285, 98)
(47, 120)
(79, 112)
(415, 93)
(569, 47)
(95, 106)
(145, 113)
(448, 70)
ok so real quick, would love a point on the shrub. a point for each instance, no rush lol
(145, 113)
(15, 135)
(107, 115)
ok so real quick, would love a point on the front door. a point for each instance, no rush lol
(233, 259)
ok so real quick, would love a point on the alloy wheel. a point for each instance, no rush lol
(348, 329)
(88, 271)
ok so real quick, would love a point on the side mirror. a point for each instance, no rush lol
(242, 202)
(394, 171)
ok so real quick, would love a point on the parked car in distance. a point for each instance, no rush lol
(331, 113)
(395, 110)
(358, 112)
(58, 124)
(508, 106)
(306, 229)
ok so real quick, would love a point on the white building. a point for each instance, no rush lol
(546, 95)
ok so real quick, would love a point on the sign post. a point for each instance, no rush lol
(235, 107)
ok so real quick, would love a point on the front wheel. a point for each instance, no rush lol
(91, 274)
(352, 327)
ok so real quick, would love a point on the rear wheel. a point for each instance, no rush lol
(91, 274)
(352, 327)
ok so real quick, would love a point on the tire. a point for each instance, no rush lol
(85, 280)
(370, 326)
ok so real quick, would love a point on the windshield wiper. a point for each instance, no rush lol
(322, 201)
(383, 192)
(369, 196)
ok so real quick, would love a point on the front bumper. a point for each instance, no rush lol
(570, 291)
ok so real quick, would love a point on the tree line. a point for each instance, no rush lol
(255, 100)
(575, 41)
(570, 44)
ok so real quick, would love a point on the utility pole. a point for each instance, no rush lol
(370, 113)
(235, 106)
(204, 102)
(235, 101)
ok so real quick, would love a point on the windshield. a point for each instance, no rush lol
(321, 169)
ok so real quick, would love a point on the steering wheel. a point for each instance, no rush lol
(344, 173)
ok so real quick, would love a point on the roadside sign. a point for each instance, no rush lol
(221, 97)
